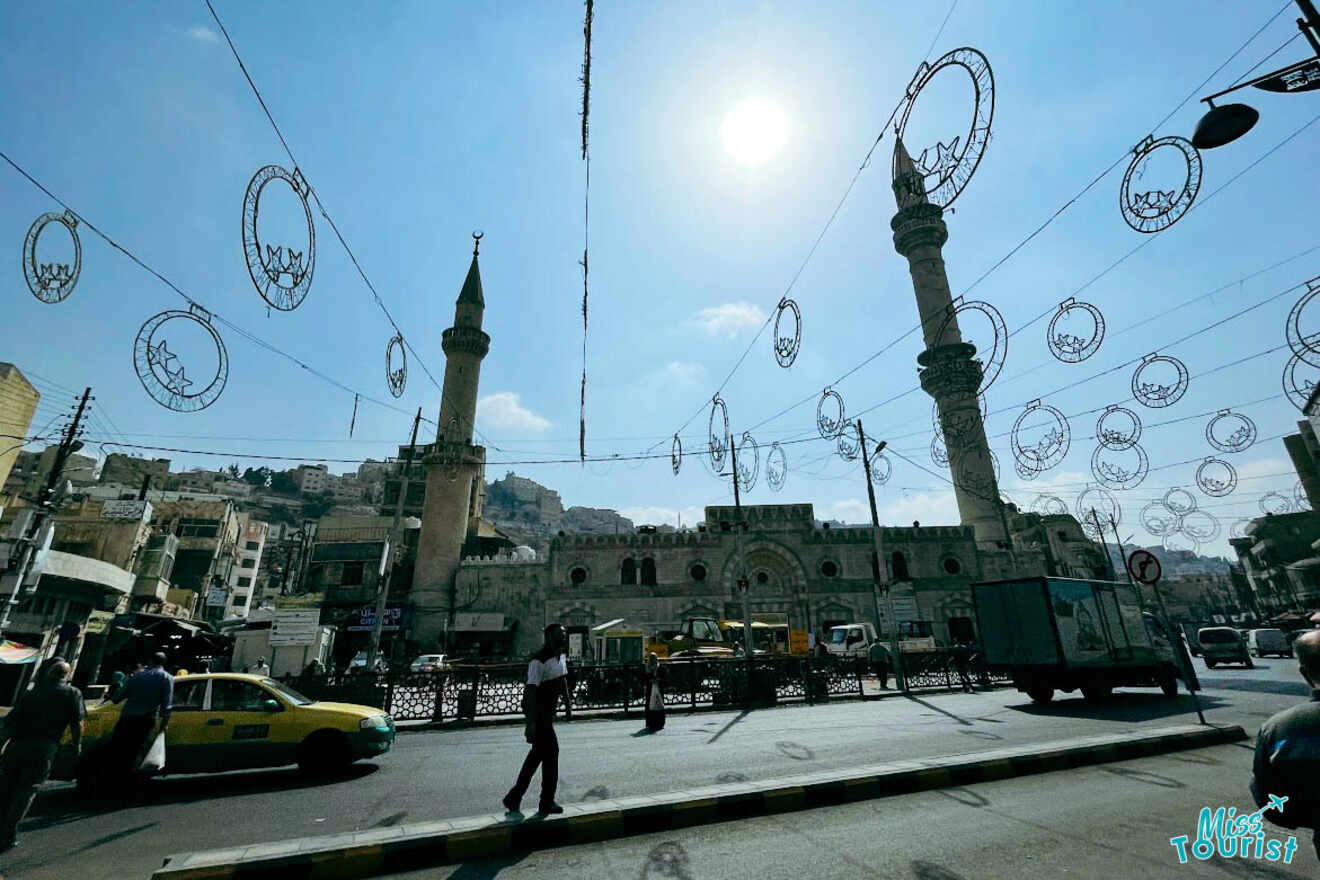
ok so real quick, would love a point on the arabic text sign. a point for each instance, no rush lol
(294, 628)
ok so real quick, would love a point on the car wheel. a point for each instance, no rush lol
(1040, 693)
(325, 753)
(1210, 664)
(1169, 685)
(1097, 693)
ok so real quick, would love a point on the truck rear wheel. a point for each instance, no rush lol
(1169, 685)
(1040, 693)
(1097, 693)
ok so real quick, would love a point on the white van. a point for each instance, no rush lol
(1269, 641)
(850, 640)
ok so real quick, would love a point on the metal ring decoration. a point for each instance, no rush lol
(849, 443)
(939, 453)
(268, 266)
(1295, 385)
(786, 347)
(1307, 348)
(830, 424)
(1179, 501)
(1158, 520)
(1025, 471)
(991, 366)
(160, 370)
(676, 455)
(1153, 394)
(881, 469)
(1200, 526)
(1113, 475)
(1049, 449)
(1300, 501)
(776, 467)
(1238, 439)
(961, 428)
(1181, 542)
(1068, 347)
(51, 282)
(397, 380)
(1105, 505)
(1152, 211)
(971, 471)
(1239, 528)
(719, 444)
(948, 171)
(1274, 504)
(1049, 505)
(747, 474)
(1216, 477)
(1111, 438)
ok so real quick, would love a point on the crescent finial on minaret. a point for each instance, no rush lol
(476, 241)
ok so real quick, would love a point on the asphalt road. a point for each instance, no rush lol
(1111, 821)
(442, 774)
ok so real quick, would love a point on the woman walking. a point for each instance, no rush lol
(547, 679)
(655, 698)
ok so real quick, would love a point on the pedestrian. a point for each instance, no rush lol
(262, 667)
(147, 696)
(313, 669)
(655, 697)
(117, 680)
(34, 729)
(547, 677)
(1288, 752)
(962, 660)
(880, 663)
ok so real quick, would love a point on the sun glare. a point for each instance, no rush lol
(754, 131)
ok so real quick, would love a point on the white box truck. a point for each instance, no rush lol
(1064, 634)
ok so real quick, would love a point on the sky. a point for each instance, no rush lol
(418, 123)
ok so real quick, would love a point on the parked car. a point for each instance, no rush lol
(233, 721)
(1269, 641)
(430, 663)
(1223, 644)
(359, 663)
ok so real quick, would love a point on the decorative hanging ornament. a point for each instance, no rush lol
(939, 453)
(676, 455)
(1216, 477)
(1049, 505)
(1069, 347)
(1230, 432)
(1179, 501)
(1274, 504)
(849, 443)
(281, 274)
(1200, 526)
(1180, 542)
(51, 282)
(1103, 503)
(396, 379)
(747, 473)
(1159, 520)
(1121, 470)
(881, 468)
(978, 471)
(776, 467)
(163, 374)
(1305, 346)
(945, 173)
(1297, 384)
(1158, 395)
(1046, 449)
(786, 347)
(1118, 428)
(718, 443)
(1239, 528)
(1300, 501)
(991, 365)
(830, 417)
(1154, 210)
(1024, 471)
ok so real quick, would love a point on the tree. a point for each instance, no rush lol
(283, 483)
(232, 470)
(257, 476)
(318, 505)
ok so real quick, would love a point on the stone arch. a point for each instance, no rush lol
(648, 571)
(785, 574)
(628, 571)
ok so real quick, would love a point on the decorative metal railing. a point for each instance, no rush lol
(497, 689)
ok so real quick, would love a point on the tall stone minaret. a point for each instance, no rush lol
(950, 373)
(455, 469)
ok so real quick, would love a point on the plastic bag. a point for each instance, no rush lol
(155, 759)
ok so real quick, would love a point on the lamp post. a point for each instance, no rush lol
(1225, 124)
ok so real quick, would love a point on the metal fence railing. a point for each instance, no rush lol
(497, 689)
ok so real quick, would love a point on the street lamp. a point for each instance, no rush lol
(1223, 125)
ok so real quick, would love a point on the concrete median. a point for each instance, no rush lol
(421, 845)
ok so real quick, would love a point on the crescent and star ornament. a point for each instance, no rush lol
(281, 274)
(776, 467)
(1158, 395)
(51, 282)
(164, 375)
(786, 347)
(1154, 210)
(396, 378)
(1070, 347)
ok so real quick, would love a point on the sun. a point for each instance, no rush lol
(754, 131)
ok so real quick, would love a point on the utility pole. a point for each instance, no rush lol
(392, 551)
(743, 584)
(45, 506)
(1095, 517)
(882, 565)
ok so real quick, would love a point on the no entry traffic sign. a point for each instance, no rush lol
(1144, 567)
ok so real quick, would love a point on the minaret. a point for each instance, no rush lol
(454, 467)
(950, 373)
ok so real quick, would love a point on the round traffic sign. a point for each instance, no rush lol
(1144, 567)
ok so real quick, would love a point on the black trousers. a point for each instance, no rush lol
(544, 754)
(128, 744)
(25, 765)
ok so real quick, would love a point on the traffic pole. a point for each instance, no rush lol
(743, 584)
(383, 587)
(881, 572)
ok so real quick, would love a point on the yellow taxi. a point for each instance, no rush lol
(232, 721)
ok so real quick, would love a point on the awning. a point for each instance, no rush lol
(13, 652)
(610, 625)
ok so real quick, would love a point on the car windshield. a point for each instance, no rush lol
(1217, 636)
(1269, 635)
(287, 692)
(838, 636)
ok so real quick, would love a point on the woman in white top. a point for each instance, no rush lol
(547, 679)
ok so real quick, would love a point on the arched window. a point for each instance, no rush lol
(898, 566)
(628, 572)
(648, 572)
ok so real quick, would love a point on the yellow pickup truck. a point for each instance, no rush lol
(231, 721)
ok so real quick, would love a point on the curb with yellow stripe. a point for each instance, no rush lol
(429, 844)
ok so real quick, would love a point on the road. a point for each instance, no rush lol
(442, 774)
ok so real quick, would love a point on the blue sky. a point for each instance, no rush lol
(419, 122)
